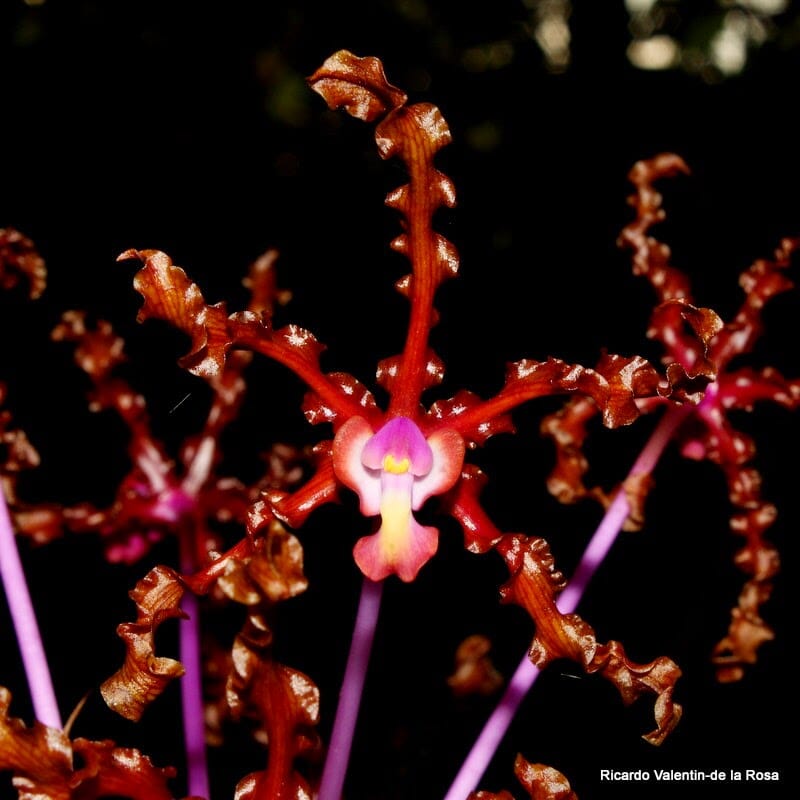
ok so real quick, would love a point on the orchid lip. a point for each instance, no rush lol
(394, 471)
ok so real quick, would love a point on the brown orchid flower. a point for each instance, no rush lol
(707, 431)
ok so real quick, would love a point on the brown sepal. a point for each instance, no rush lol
(283, 702)
(228, 384)
(287, 704)
(20, 260)
(414, 134)
(41, 761)
(542, 782)
(539, 781)
(144, 675)
(119, 771)
(634, 680)
(358, 85)
(170, 295)
(98, 351)
(274, 570)
(650, 257)
(746, 633)
(534, 584)
(716, 440)
(568, 430)
(613, 386)
(690, 368)
(40, 758)
(762, 281)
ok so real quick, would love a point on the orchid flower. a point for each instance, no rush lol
(160, 495)
(398, 458)
(44, 759)
(707, 431)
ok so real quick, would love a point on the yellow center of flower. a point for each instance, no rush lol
(395, 467)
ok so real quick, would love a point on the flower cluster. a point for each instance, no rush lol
(707, 432)
(404, 461)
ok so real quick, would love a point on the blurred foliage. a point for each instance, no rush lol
(714, 39)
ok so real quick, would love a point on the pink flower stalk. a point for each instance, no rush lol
(37, 672)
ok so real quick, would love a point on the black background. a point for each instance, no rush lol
(186, 128)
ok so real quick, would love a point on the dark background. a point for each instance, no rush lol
(187, 128)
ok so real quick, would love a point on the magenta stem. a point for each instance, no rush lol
(194, 732)
(525, 676)
(34, 660)
(355, 673)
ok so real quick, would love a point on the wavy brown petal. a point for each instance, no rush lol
(539, 781)
(414, 134)
(534, 585)
(170, 295)
(145, 675)
(287, 703)
(273, 572)
(39, 758)
(358, 85)
(763, 280)
(690, 363)
(109, 770)
(542, 782)
(614, 393)
(651, 258)
(283, 701)
(42, 763)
